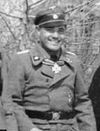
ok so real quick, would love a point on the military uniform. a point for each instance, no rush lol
(45, 94)
(35, 89)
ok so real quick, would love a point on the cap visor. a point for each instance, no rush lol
(52, 24)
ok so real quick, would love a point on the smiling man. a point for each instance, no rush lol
(45, 87)
(51, 28)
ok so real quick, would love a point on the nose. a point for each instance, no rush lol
(55, 35)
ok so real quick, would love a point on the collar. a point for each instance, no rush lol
(38, 55)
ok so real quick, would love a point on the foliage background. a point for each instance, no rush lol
(17, 31)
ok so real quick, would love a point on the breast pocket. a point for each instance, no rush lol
(61, 99)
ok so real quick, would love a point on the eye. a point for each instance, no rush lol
(61, 30)
(50, 29)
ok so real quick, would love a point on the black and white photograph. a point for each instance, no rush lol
(49, 65)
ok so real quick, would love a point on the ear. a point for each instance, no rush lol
(37, 30)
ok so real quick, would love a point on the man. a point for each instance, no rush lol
(45, 89)
(94, 93)
(2, 112)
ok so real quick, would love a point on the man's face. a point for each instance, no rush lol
(52, 37)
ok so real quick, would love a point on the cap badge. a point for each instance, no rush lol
(55, 16)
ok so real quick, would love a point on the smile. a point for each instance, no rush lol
(53, 40)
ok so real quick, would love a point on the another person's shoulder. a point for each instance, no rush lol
(71, 53)
(73, 59)
(72, 56)
(20, 56)
(24, 52)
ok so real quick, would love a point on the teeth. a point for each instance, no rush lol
(53, 40)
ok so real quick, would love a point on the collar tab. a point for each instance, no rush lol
(36, 60)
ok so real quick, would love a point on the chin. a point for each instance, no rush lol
(56, 47)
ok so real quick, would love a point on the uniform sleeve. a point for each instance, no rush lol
(12, 97)
(83, 105)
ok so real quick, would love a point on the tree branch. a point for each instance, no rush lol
(10, 15)
(27, 11)
(8, 28)
(79, 6)
(36, 4)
